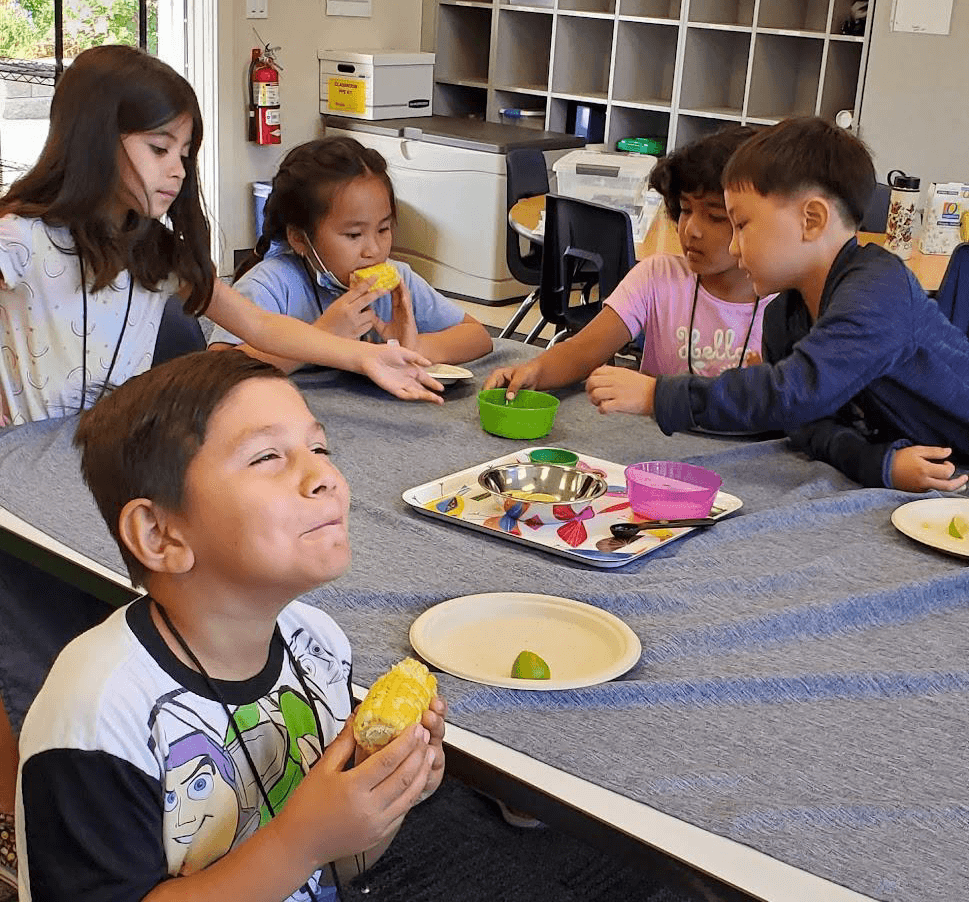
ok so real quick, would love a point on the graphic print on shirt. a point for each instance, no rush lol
(202, 806)
(321, 668)
(722, 353)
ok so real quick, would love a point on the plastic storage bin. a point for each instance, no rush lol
(611, 179)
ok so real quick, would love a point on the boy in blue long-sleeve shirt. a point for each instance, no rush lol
(853, 331)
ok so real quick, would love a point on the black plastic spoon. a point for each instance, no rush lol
(631, 530)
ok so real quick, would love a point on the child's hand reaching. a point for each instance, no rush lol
(398, 370)
(919, 468)
(351, 315)
(615, 389)
(402, 326)
(522, 375)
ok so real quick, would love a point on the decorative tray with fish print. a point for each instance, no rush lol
(576, 531)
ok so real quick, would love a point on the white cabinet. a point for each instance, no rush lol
(675, 69)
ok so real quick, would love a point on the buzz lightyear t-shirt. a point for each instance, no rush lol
(131, 772)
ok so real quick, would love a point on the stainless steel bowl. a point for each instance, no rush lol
(542, 485)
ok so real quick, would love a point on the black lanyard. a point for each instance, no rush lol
(689, 338)
(117, 347)
(214, 689)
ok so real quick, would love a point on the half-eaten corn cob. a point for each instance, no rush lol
(395, 701)
(387, 276)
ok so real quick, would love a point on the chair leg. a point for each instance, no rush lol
(536, 330)
(557, 337)
(520, 314)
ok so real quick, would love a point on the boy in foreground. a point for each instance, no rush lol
(202, 732)
(853, 334)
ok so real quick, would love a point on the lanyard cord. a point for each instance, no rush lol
(214, 689)
(117, 347)
(689, 338)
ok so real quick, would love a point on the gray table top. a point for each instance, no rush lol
(803, 681)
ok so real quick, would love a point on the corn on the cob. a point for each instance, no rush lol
(395, 701)
(387, 276)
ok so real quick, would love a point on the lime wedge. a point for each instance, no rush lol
(958, 527)
(529, 666)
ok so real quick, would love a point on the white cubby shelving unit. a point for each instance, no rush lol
(674, 69)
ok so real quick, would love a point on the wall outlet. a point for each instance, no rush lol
(257, 9)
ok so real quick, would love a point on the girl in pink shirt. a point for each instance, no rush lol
(696, 313)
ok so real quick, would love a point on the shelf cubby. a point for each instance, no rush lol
(651, 9)
(630, 122)
(460, 100)
(722, 12)
(841, 10)
(530, 4)
(522, 50)
(605, 7)
(785, 76)
(691, 128)
(583, 51)
(463, 43)
(794, 15)
(838, 89)
(516, 100)
(645, 63)
(717, 61)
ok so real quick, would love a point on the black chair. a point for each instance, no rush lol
(876, 216)
(526, 175)
(953, 294)
(178, 333)
(581, 236)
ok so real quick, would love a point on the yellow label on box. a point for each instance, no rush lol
(346, 95)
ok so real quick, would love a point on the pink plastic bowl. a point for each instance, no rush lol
(668, 489)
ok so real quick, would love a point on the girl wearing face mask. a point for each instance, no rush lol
(331, 212)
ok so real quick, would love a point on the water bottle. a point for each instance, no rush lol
(901, 213)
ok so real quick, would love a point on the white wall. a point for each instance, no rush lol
(914, 114)
(300, 27)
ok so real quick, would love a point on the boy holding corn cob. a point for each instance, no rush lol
(203, 731)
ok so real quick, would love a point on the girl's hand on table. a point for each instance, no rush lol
(522, 375)
(919, 468)
(402, 326)
(615, 389)
(399, 371)
(351, 315)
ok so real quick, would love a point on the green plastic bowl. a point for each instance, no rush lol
(530, 415)
(559, 456)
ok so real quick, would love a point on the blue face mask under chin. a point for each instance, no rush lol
(324, 278)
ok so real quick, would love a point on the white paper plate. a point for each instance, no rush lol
(478, 637)
(927, 521)
(447, 373)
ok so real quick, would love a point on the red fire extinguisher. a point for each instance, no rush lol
(264, 127)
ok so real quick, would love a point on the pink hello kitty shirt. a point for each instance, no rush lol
(656, 299)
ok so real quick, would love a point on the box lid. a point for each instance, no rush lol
(378, 57)
(598, 163)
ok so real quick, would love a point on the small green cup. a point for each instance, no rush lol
(529, 415)
(553, 456)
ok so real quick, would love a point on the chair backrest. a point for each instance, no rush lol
(953, 294)
(876, 216)
(581, 236)
(178, 333)
(526, 176)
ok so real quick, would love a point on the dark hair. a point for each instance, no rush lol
(108, 92)
(807, 153)
(138, 441)
(697, 167)
(306, 183)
